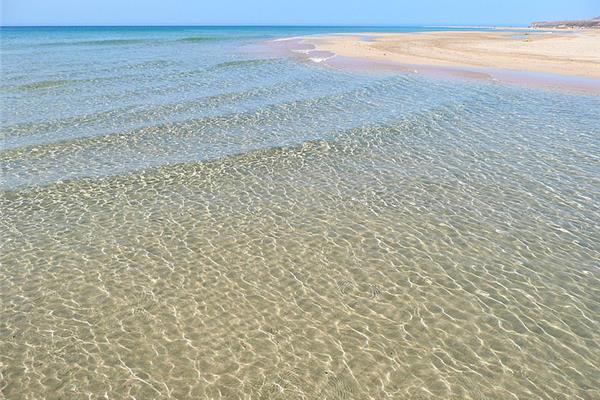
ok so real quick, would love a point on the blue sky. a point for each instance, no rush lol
(289, 12)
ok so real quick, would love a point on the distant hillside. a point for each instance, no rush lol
(582, 23)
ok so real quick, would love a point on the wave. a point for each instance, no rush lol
(354, 142)
(232, 65)
(52, 83)
(126, 42)
(152, 64)
(222, 132)
(47, 84)
(40, 131)
(243, 63)
(101, 42)
(296, 151)
(52, 132)
(320, 59)
(199, 140)
(199, 39)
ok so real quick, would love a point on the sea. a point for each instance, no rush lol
(186, 213)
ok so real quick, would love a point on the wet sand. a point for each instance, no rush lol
(571, 53)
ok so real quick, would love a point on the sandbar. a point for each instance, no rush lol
(570, 53)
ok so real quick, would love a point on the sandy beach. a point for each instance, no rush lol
(571, 53)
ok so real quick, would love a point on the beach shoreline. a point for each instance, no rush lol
(229, 212)
(569, 59)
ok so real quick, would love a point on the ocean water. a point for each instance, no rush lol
(186, 214)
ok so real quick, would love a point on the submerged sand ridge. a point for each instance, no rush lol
(566, 53)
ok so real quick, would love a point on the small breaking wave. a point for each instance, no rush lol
(286, 39)
(319, 56)
(320, 59)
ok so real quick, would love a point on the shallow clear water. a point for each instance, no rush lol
(185, 215)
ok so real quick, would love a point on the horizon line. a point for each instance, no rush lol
(264, 26)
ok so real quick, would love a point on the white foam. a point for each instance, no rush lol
(320, 59)
(288, 38)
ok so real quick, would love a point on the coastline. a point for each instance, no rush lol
(569, 59)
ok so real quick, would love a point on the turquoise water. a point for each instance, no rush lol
(69, 91)
(187, 213)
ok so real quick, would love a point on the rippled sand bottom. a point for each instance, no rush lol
(402, 261)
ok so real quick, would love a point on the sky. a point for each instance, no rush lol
(292, 12)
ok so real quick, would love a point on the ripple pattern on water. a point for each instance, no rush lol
(312, 235)
(434, 274)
